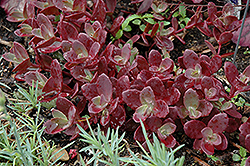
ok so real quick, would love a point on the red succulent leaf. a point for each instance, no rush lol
(144, 6)
(164, 42)
(104, 86)
(17, 54)
(233, 112)
(193, 129)
(233, 125)
(81, 74)
(71, 115)
(191, 99)
(43, 20)
(215, 63)
(147, 96)
(51, 127)
(190, 59)
(99, 12)
(125, 55)
(138, 134)
(244, 40)
(210, 136)
(94, 49)
(219, 122)
(247, 142)
(174, 22)
(142, 113)
(169, 141)
(110, 4)
(132, 98)
(79, 49)
(23, 66)
(117, 117)
(56, 72)
(161, 109)
(165, 130)
(34, 76)
(24, 31)
(197, 1)
(225, 37)
(154, 58)
(122, 85)
(207, 147)
(141, 63)
(205, 107)
(63, 105)
(182, 112)
(223, 144)
(55, 46)
(203, 27)
(245, 129)
(166, 65)
(116, 24)
(153, 123)
(195, 73)
(89, 90)
(98, 104)
(86, 40)
(157, 85)
(182, 83)
(162, 6)
(171, 95)
(145, 75)
(79, 5)
(231, 72)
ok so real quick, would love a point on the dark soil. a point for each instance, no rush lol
(194, 41)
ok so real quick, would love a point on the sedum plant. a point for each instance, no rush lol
(116, 84)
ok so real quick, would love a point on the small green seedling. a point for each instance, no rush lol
(241, 156)
(182, 16)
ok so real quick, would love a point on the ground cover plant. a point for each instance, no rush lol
(77, 55)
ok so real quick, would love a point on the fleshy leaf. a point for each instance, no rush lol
(63, 105)
(79, 49)
(104, 86)
(161, 109)
(219, 122)
(245, 36)
(142, 113)
(132, 98)
(193, 128)
(190, 59)
(166, 130)
(169, 142)
(207, 147)
(147, 96)
(245, 129)
(58, 114)
(191, 99)
(154, 58)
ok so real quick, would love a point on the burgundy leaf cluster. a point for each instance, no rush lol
(120, 87)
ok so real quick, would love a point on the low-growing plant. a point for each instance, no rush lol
(241, 156)
(116, 84)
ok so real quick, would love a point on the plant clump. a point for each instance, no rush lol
(103, 68)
